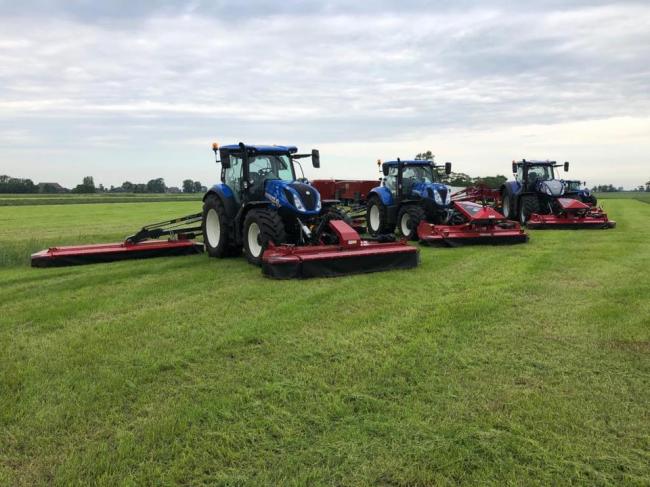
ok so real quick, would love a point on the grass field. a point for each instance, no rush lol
(486, 365)
(645, 197)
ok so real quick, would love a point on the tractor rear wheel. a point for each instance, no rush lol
(527, 206)
(376, 217)
(408, 219)
(216, 228)
(262, 227)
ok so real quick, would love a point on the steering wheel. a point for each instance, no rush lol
(255, 178)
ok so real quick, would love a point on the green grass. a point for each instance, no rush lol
(76, 199)
(637, 195)
(486, 365)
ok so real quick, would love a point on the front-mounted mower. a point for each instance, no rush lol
(261, 205)
(540, 200)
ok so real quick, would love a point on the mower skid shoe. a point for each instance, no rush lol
(101, 253)
(351, 256)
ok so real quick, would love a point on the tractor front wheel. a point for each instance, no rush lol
(508, 205)
(527, 206)
(262, 227)
(408, 219)
(216, 228)
(376, 217)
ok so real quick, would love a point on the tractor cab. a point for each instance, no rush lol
(416, 179)
(268, 173)
(539, 177)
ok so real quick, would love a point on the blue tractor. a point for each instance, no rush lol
(535, 189)
(261, 200)
(410, 192)
(578, 190)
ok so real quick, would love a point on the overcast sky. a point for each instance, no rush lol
(129, 90)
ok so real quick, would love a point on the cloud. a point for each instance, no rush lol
(310, 73)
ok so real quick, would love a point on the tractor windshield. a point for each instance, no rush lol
(573, 185)
(271, 166)
(540, 173)
(418, 174)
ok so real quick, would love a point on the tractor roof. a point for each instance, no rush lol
(264, 149)
(409, 163)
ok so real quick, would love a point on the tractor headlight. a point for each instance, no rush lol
(294, 199)
(437, 198)
(448, 197)
(297, 202)
(318, 205)
(547, 190)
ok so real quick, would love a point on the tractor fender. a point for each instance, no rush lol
(225, 194)
(384, 195)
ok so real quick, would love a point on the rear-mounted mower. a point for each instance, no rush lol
(261, 205)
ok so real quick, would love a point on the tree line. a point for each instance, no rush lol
(12, 185)
(460, 179)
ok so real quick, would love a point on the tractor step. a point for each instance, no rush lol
(99, 253)
(352, 255)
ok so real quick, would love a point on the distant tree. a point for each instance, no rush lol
(197, 186)
(647, 186)
(425, 156)
(156, 185)
(16, 185)
(139, 188)
(188, 186)
(494, 182)
(127, 186)
(87, 186)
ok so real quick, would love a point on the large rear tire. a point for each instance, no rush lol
(261, 227)
(527, 206)
(408, 219)
(376, 217)
(216, 228)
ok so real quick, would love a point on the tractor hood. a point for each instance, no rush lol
(295, 196)
(438, 193)
(553, 187)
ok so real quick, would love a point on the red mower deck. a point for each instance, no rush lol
(573, 214)
(351, 255)
(484, 225)
(91, 254)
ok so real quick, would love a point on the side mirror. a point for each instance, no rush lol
(566, 166)
(225, 161)
(514, 168)
(384, 169)
(447, 167)
(315, 158)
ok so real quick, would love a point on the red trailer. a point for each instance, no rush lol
(345, 190)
